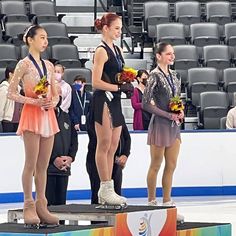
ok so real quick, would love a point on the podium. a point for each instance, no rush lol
(132, 221)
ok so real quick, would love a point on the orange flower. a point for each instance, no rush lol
(127, 75)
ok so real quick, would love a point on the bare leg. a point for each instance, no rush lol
(171, 156)
(31, 142)
(45, 149)
(113, 147)
(107, 142)
(157, 154)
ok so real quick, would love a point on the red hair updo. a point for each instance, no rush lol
(106, 19)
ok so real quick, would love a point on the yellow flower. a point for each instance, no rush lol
(130, 70)
(42, 86)
(176, 104)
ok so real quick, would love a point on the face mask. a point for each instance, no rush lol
(144, 82)
(58, 77)
(77, 86)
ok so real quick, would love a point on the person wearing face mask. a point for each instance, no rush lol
(64, 88)
(80, 104)
(141, 118)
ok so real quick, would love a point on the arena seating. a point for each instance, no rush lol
(203, 34)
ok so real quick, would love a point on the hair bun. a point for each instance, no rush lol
(98, 24)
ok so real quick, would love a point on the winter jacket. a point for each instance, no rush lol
(6, 105)
(65, 143)
(76, 110)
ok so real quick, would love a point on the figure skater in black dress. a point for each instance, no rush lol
(108, 61)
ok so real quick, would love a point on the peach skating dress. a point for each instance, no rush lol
(33, 118)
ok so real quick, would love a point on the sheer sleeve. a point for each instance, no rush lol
(178, 83)
(55, 96)
(148, 98)
(13, 92)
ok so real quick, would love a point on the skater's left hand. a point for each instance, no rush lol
(122, 161)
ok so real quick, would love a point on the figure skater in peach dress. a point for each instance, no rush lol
(37, 125)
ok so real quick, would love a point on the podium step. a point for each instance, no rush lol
(8, 229)
(134, 220)
(204, 229)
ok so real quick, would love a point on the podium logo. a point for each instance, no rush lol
(149, 223)
(144, 226)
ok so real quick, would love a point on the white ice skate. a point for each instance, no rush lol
(180, 218)
(108, 199)
(152, 203)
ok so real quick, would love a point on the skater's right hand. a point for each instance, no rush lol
(45, 103)
(41, 101)
(174, 117)
(127, 87)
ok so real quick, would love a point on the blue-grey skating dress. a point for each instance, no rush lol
(162, 131)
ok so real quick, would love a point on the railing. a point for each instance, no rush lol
(104, 7)
(123, 12)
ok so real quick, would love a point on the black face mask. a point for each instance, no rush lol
(144, 82)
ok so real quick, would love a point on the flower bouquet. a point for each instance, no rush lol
(41, 88)
(176, 106)
(127, 75)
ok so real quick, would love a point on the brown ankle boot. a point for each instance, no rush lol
(30, 214)
(45, 216)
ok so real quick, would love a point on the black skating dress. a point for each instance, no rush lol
(112, 66)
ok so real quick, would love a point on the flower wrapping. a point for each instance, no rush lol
(41, 88)
(176, 106)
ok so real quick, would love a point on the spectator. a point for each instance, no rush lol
(141, 117)
(65, 88)
(80, 103)
(63, 154)
(231, 119)
(9, 109)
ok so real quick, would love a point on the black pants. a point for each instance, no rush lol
(95, 180)
(8, 127)
(56, 189)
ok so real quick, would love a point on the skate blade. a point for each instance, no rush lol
(180, 222)
(31, 226)
(48, 226)
(112, 207)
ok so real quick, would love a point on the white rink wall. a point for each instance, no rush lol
(207, 159)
